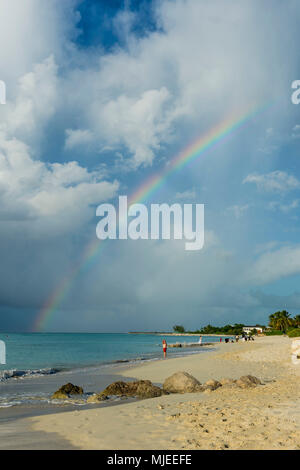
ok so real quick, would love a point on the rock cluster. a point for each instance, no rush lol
(180, 382)
(139, 388)
(65, 391)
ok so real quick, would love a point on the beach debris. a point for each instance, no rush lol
(182, 382)
(66, 390)
(212, 384)
(139, 388)
(247, 381)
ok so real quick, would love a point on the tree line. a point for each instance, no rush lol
(280, 322)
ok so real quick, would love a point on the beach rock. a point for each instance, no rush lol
(247, 381)
(182, 382)
(145, 389)
(71, 389)
(140, 388)
(59, 396)
(96, 398)
(212, 384)
(66, 390)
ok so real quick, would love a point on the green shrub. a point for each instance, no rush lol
(294, 333)
(178, 329)
(273, 333)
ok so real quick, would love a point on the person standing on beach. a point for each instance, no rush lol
(164, 344)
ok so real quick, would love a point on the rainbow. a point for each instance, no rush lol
(188, 155)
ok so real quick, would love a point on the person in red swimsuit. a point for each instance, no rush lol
(164, 344)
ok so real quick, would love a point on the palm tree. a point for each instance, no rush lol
(296, 321)
(272, 320)
(280, 320)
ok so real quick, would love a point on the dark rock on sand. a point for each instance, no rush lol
(182, 382)
(140, 389)
(247, 381)
(66, 390)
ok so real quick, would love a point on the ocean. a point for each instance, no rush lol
(38, 363)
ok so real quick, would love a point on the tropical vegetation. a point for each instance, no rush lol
(178, 329)
(280, 322)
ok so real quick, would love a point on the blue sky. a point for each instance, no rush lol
(97, 22)
(100, 95)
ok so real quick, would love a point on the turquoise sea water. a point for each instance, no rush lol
(37, 364)
(50, 351)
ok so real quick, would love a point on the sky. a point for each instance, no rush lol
(102, 95)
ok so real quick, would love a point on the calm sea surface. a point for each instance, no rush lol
(36, 351)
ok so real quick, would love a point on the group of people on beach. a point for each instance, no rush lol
(247, 337)
(243, 337)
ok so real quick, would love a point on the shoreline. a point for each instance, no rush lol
(30, 395)
(266, 417)
(49, 371)
(14, 372)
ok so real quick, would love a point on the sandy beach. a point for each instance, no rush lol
(264, 417)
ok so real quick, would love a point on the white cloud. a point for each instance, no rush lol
(78, 137)
(32, 30)
(140, 123)
(35, 103)
(274, 265)
(273, 205)
(276, 181)
(60, 192)
(135, 99)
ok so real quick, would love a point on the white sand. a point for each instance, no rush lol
(265, 417)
